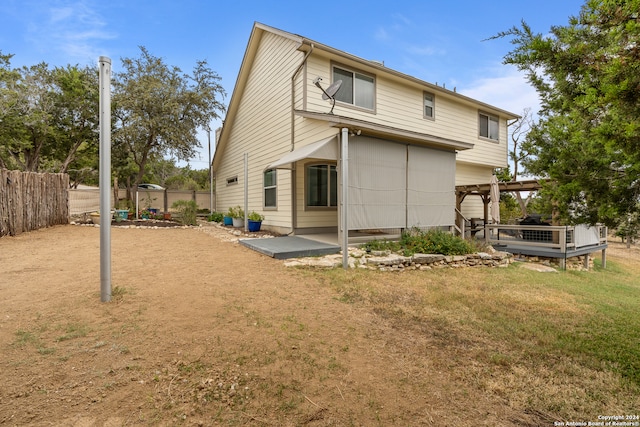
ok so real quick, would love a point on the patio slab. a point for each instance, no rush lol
(290, 247)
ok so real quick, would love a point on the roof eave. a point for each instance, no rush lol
(384, 131)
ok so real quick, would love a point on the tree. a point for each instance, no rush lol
(158, 110)
(587, 141)
(47, 117)
(27, 106)
(520, 129)
(76, 101)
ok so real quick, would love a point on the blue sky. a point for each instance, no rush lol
(440, 42)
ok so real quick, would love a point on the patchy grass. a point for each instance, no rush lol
(566, 344)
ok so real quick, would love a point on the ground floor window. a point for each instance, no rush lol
(270, 188)
(322, 186)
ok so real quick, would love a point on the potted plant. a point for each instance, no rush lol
(147, 203)
(95, 217)
(228, 217)
(255, 221)
(122, 213)
(238, 216)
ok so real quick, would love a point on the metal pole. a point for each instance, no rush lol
(105, 179)
(210, 174)
(344, 217)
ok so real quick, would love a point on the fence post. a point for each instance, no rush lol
(166, 201)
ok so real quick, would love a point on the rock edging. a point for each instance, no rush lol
(386, 261)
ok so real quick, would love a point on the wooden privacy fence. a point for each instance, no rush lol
(30, 200)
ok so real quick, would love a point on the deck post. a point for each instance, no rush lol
(586, 261)
(604, 258)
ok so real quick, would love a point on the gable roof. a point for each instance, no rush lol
(305, 45)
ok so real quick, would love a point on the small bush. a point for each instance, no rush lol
(425, 242)
(187, 210)
(433, 242)
(255, 216)
(236, 212)
(216, 217)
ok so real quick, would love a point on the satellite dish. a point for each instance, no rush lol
(329, 92)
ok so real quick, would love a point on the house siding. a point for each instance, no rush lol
(262, 129)
(261, 122)
(467, 174)
(399, 104)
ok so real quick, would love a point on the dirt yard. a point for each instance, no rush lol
(202, 331)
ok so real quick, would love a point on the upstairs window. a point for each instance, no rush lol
(429, 105)
(270, 188)
(357, 89)
(488, 126)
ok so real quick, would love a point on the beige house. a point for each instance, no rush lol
(384, 154)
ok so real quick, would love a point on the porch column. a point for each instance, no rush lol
(344, 213)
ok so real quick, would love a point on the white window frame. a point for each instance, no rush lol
(489, 118)
(355, 74)
(273, 186)
(433, 105)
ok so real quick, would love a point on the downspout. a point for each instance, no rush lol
(294, 211)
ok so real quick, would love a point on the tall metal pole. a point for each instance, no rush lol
(210, 173)
(105, 179)
(344, 217)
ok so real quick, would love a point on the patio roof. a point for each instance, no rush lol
(528, 185)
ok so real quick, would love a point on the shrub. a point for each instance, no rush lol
(187, 211)
(255, 216)
(426, 242)
(236, 212)
(215, 217)
(433, 242)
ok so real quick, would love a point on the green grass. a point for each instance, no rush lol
(574, 337)
(74, 330)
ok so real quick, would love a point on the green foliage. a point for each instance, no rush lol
(236, 212)
(509, 208)
(588, 137)
(158, 109)
(255, 216)
(49, 117)
(433, 241)
(187, 211)
(215, 217)
(629, 228)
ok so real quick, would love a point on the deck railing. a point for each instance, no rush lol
(561, 238)
(558, 242)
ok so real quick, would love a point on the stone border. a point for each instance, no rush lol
(387, 261)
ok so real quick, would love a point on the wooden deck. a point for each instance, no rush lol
(559, 242)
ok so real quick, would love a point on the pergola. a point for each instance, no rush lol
(483, 190)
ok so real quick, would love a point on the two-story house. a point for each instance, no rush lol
(385, 154)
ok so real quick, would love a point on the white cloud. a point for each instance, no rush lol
(504, 87)
(74, 28)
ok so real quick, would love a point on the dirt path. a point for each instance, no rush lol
(202, 331)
